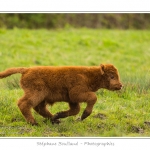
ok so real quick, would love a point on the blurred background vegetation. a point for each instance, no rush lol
(77, 20)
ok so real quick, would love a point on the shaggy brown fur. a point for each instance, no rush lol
(47, 85)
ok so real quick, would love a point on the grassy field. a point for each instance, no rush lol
(116, 114)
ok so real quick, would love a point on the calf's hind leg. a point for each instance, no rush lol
(27, 102)
(25, 108)
(43, 111)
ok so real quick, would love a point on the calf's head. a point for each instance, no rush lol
(111, 79)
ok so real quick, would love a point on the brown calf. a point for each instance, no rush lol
(46, 85)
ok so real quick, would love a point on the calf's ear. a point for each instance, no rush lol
(102, 67)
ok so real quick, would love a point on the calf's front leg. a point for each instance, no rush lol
(74, 109)
(87, 97)
(91, 100)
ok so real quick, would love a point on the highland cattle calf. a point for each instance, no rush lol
(46, 85)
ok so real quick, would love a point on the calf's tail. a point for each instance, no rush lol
(11, 71)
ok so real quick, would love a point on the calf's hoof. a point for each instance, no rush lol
(34, 124)
(78, 119)
(56, 121)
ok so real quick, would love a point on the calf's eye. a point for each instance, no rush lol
(112, 77)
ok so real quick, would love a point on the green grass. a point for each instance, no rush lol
(115, 114)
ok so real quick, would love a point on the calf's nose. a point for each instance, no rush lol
(121, 86)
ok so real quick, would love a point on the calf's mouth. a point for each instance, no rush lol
(116, 87)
